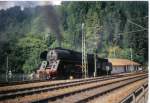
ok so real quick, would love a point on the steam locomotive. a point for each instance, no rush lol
(62, 63)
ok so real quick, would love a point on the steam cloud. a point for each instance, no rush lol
(8, 4)
(23, 4)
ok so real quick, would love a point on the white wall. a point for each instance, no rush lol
(117, 69)
(121, 69)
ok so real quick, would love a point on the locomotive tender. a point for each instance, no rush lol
(64, 63)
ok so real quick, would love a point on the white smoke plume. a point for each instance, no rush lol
(8, 4)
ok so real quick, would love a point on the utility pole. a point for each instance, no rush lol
(7, 67)
(95, 67)
(95, 52)
(131, 55)
(114, 53)
(84, 54)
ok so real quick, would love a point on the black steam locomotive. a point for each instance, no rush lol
(64, 63)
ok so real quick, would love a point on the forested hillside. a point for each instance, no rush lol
(114, 29)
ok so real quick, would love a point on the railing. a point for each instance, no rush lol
(140, 95)
(16, 77)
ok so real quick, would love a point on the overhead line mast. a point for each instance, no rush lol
(84, 55)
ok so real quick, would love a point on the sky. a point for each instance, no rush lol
(8, 4)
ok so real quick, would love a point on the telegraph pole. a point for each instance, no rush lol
(84, 55)
(95, 68)
(7, 67)
(131, 55)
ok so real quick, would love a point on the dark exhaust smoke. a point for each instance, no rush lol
(53, 22)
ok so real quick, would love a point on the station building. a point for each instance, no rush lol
(124, 65)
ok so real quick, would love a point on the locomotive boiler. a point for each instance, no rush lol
(64, 63)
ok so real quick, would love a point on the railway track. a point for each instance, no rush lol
(34, 84)
(22, 87)
(20, 82)
(12, 83)
(28, 91)
(61, 87)
(85, 93)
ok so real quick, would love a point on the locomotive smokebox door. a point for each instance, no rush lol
(43, 55)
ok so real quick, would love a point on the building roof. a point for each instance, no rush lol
(122, 62)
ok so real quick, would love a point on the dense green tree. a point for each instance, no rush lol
(31, 46)
(115, 29)
(118, 24)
